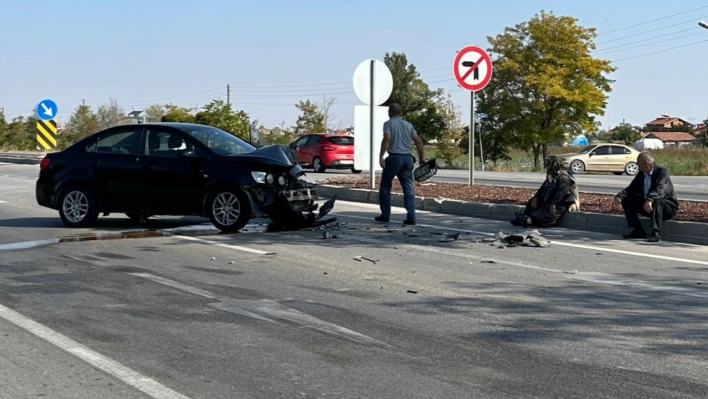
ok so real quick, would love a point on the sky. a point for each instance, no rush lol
(278, 52)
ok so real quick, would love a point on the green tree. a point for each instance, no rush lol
(173, 113)
(82, 123)
(21, 134)
(415, 97)
(546, 83)
(220, 115)
(626, 134)
(3, 130)
(448, 143)
(311, 119)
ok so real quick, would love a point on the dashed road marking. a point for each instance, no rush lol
(229, 246)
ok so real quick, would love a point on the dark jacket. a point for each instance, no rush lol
(661, 187)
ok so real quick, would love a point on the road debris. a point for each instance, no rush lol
(412, 292)
(487, 261)
(360, 258)
(231, 262)
(524, 238)
(450, 237)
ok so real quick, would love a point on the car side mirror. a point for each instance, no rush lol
(293, 146)
(591, 154)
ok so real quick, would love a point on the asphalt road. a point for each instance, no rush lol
(290, 314)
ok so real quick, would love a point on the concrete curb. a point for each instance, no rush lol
(21, 160)
(674, 231)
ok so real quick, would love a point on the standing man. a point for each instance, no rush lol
(650, 194)
(399, 136)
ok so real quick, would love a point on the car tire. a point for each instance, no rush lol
(577, 167)
(631, 168)
(317, 165)
(77, 207)
(355, 171)
(229, 209)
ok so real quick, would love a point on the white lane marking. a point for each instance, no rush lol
(27, 244)
(219, 244)
(3, 202)
(110, 366)
(567, 244)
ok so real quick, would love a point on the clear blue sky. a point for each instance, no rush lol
(274, 53)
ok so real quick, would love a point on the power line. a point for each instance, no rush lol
(653, 30)
(650, 44)
(653, 20)
(662, 51)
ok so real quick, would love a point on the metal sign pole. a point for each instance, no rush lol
(481, 151)
(471, 139)
(372, 172)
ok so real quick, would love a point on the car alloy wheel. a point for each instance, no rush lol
(77, 207)
(577, 166)
(317, 165)
(229, 209)
(631, 168)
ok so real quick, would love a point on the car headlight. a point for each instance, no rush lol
(270, 178)
(259, 177)
(281, 180)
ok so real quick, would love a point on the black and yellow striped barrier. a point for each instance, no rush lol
(47, 134)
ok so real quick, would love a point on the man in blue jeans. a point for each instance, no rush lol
(399, 136)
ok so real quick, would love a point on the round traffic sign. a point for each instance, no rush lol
(472, 68)
(383, 82)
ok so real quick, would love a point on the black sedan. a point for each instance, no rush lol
(174, 169)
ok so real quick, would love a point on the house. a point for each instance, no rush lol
(701, 130)
(666, 123)
(672, 139)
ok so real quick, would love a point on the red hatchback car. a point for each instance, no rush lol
(325, 151)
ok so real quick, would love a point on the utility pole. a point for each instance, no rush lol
(228, 94)
(83, 102)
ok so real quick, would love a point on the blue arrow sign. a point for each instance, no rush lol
(47, 110)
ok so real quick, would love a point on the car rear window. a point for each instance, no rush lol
(341, 140)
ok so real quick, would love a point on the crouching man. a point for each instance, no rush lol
(650, 194)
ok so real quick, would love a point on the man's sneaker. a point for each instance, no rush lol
(409, 222)
(381, 219)
(655, 237)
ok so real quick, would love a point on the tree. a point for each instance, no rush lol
(173, 113)
(326, 109)
(82, 123)
(220, 115)
(110, 115)
(627, 134)
(3, 130)
(311, 119)
(448, 143)
(546, 83)
(415, 97)
(155, 112)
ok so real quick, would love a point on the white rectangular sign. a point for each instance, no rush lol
(362, 135)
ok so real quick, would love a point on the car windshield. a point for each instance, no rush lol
(219, 141)
(587, 149)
